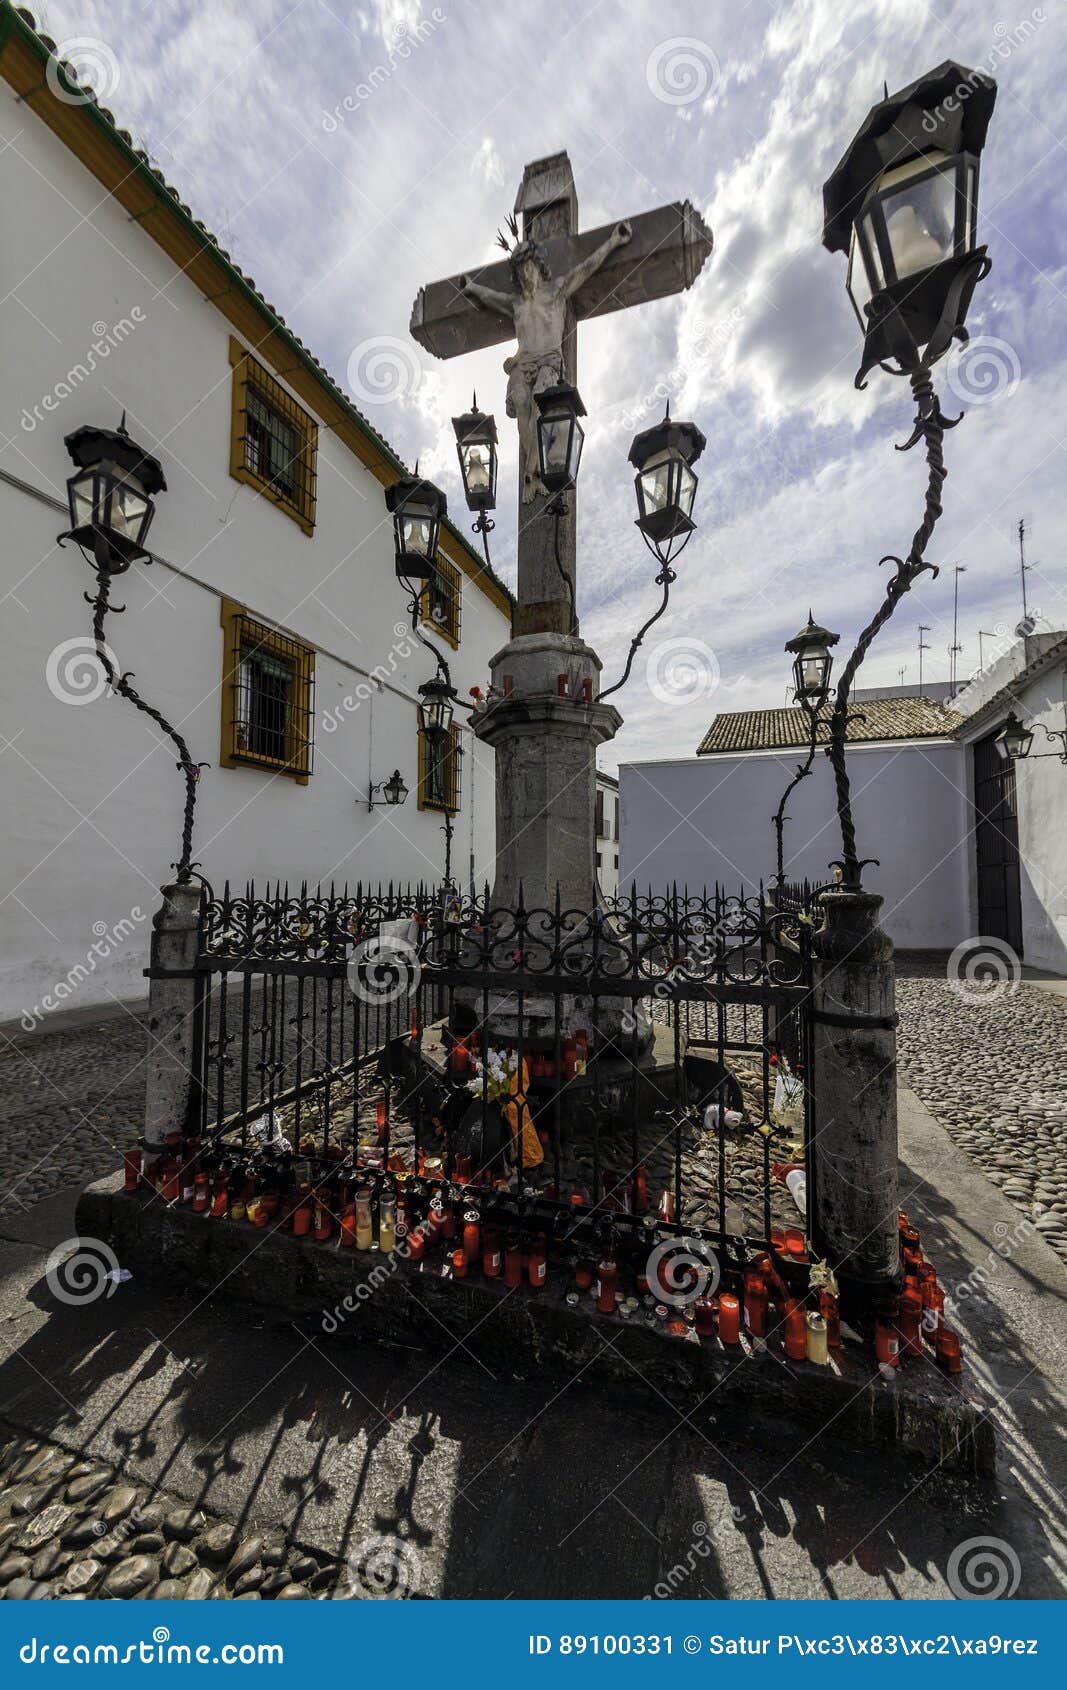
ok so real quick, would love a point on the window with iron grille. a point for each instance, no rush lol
(441, 601)
(439, 764)
(267, 697)
(273, 440)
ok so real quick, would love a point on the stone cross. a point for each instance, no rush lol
(555, 278)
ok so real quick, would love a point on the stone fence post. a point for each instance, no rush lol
(171, 1085)
(853, 1157)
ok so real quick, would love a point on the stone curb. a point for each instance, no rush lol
(382, 1300)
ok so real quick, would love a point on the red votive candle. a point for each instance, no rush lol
(459, 1263)
(131, 1161)
(492, 1260)
(472, 1235)
(755, 1303)
(201, 1194)
(794, 1329)
(794, 1241)
(729, 1318)
(583, 1276)
(348, 1229)
(607, 1282)
(704, 1317)
(416, 1243)
(933, 1310)
(832, 1315)
(302, 1219)
(909, 1317)
(949, 1358)
(513, 1261)
(537, 1263)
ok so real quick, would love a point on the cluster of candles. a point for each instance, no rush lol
(464, 1057)
(912, 1325)
(440, 1226)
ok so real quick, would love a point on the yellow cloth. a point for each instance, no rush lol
(532, 1153)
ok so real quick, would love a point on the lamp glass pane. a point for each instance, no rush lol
(920, 219)
(813, 666)
(127, 510)
(82, 491)
(859, 285)
(868, 274)
(476, 467)
(418, 532)
(687, 487)
(555, 438)
(577, 441)
(656, 482)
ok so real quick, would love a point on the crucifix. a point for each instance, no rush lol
(553, 278)
(545, 720)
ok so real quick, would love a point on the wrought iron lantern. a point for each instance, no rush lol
(1014, 739)
(903, 202)
(666, 486)
(476, 445)
(416, 507)
(436, 708)
(111, 494)
(560, 435)
(812, 664)
(394, 791)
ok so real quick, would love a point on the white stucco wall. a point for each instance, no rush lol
(92, 799)
(1041, 796)
(704, 819)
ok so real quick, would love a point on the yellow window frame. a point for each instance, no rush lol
(450, 577)
(451, 803)
(239, 629)
(249, 374)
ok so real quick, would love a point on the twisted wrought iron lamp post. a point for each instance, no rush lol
(903, 202)
(811, 688)
(666, 485)
(111, 509)
(417, 507)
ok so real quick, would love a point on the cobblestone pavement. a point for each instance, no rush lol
(990, 1062)
(74, 1528)
(70, 1103)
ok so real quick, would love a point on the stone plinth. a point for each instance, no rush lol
(545, 741)
(852, 1197)
(170, 1058)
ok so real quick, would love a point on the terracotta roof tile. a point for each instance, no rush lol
(876, 719)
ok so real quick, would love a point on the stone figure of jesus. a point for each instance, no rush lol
(538, 307)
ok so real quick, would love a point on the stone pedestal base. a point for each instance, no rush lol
(852, 1192)
(545, 735)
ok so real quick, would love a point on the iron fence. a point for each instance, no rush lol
(560, 1066)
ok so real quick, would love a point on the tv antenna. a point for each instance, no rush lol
(924, 628)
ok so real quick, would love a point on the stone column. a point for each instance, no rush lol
(853, 1175)
(545, 740)
(170, 1084)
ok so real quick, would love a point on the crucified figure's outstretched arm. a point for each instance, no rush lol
(581, 273)
(492, 297)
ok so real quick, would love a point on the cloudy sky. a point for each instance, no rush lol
(346, 154)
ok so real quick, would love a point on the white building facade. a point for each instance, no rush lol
(607, 833)
(270, 629)
(969, 844)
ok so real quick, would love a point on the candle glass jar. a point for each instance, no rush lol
(729, 1318)
(387, 1222)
